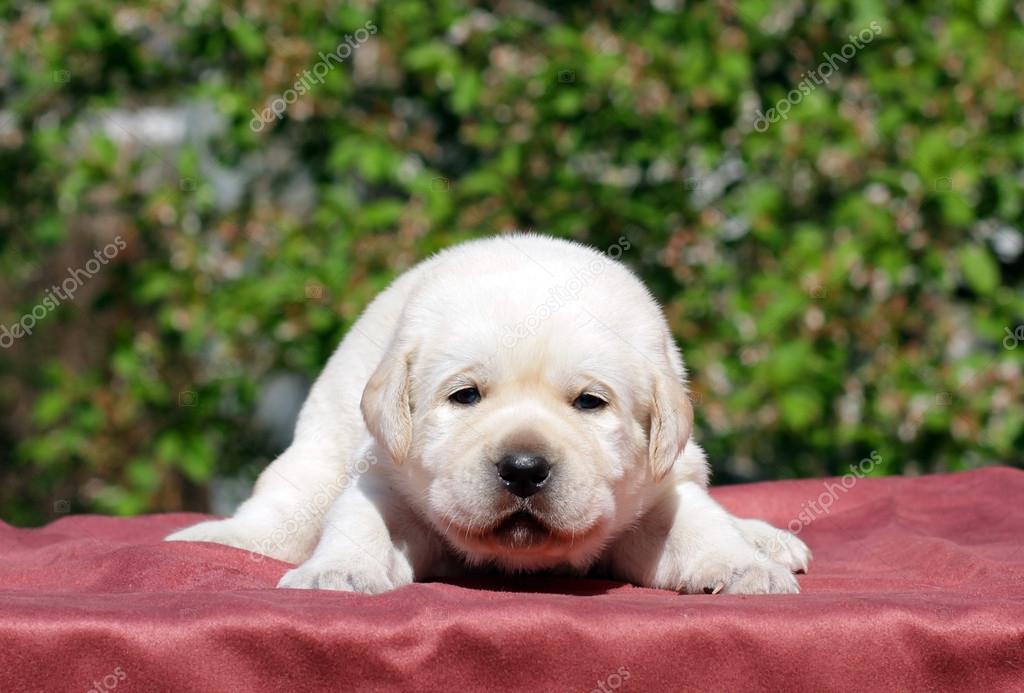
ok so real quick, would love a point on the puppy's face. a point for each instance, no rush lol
(532, 452)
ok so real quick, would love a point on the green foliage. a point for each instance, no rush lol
(834, 280)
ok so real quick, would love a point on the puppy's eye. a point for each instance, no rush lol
(587, 402)
(467, 395)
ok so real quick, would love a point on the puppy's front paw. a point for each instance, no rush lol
(747, 575)
(361, 575)
(724, 562)
(773, 544)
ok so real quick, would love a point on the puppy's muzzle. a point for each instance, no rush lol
(523, 474)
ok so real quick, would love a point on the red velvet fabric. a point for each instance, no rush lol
(916, 584)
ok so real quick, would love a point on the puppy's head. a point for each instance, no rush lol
(531, 421)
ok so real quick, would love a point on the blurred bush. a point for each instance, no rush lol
(841, 282)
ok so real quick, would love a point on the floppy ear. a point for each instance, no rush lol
(385, 403)
(671, 423)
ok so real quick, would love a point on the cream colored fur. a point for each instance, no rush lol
(389, 481)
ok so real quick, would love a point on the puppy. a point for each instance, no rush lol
(515, 403)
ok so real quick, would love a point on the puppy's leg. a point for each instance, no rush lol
(371, 543)
(284, 516)
(689, 543)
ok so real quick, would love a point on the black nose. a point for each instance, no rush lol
(523, 474)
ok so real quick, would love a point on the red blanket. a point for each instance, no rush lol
(916, 584)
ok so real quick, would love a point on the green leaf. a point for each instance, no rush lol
(800, 408)
(979, 269)
(991, 11)
(247, 37)
(49, 408)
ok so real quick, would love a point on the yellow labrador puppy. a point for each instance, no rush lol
(515, 403)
